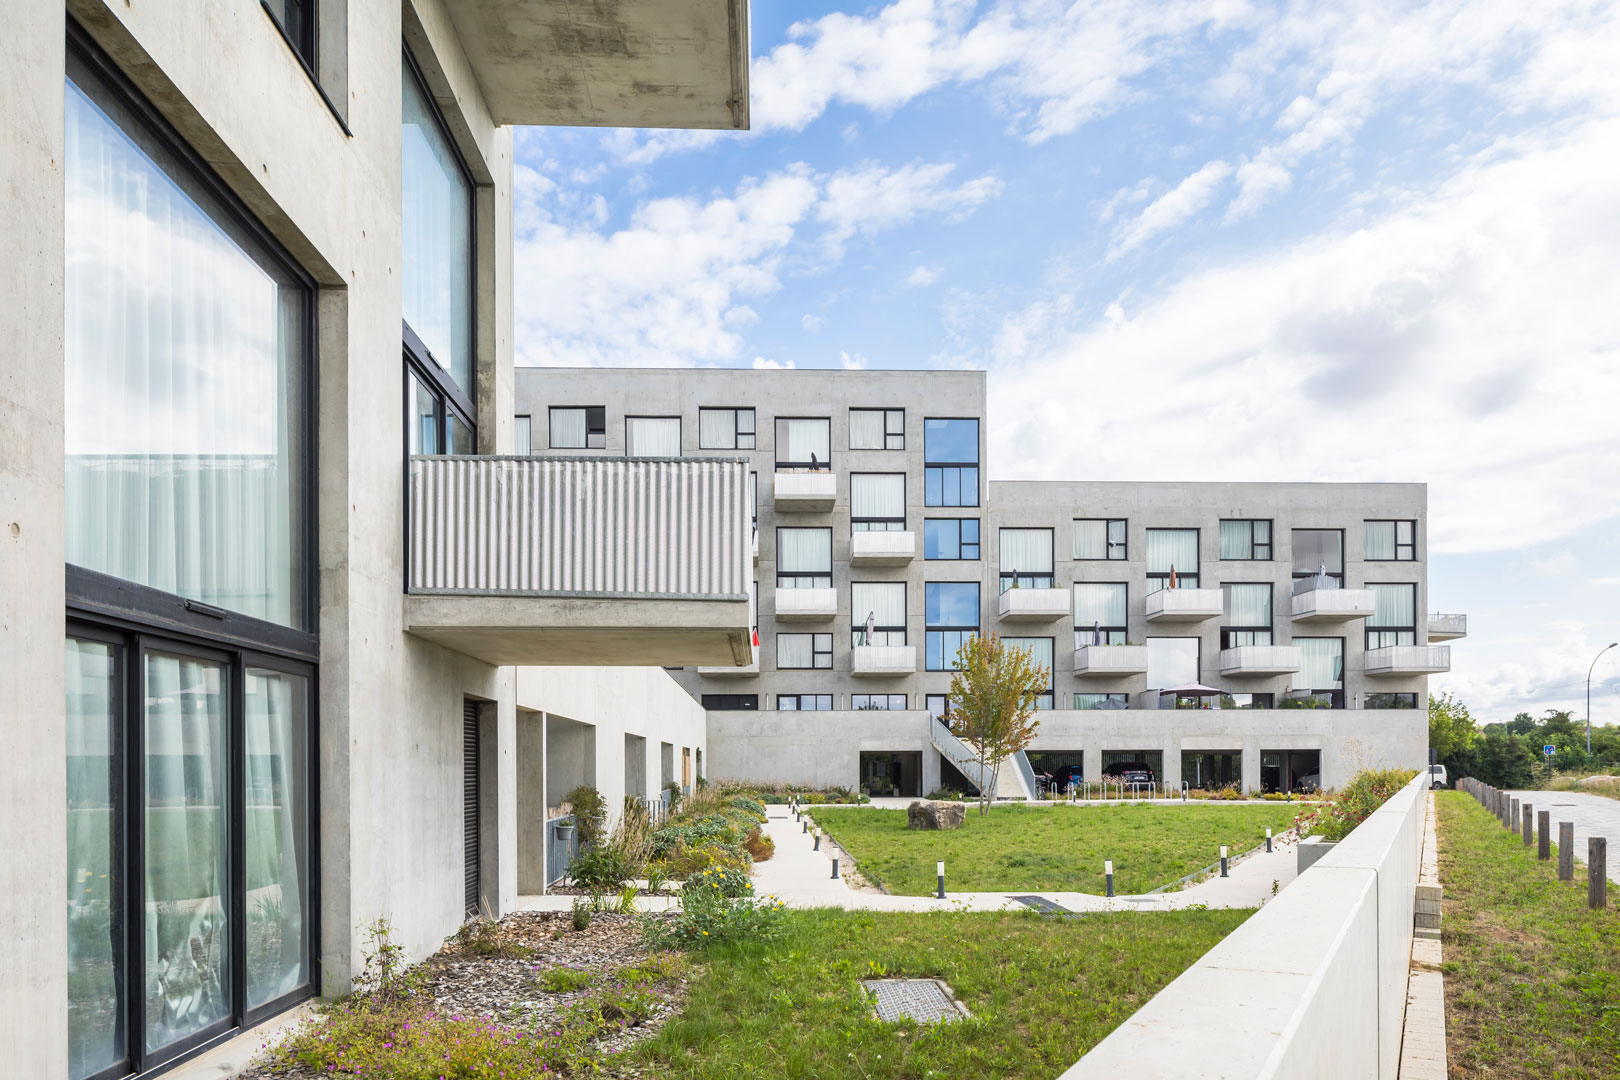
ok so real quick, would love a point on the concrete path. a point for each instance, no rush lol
(1593, 815)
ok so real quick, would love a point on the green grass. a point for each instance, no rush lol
(1059, 848)
(1042, 992)
(1532, 975)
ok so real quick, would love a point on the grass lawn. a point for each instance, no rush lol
(1532, 975)
(1058, 848)
(1042, 992)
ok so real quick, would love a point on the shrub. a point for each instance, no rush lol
(482, 937)
(752, 805)
(582, 913)
(759, 846)
(673, 790)
(709, 918)
(943, 795)
(683, 862)
(590, 814)
(720, 881)
(1367, 791)
(603, 868)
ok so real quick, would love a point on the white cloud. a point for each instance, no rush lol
(869, 197)
(1561, 564)
(812, 324)
(1170, 209)
(923, 276)
(762, 363)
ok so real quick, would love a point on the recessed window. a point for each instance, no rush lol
(877, 610)
(803, 558)
(1099, 613)
(1391, 541)
(951, 462)
(877, 702)
(1389, 701)
(1320, 678)
(1248, 614)
(522, 436)
(580, 427)
(1026, 559)
(652, 436)
(877, 502)
(877, 429)
(1318, 554)
(1172, 559)
(803, 443)
(804, 651)
(804, 702)
(1040, 651)
(1247, 701)
(1394, 619)
(1246, 538)
(725, 429)
(938, 705)
(296, 18)
(1099, 538)
(731, 702)
(952, 616)
(1102, 701)
(951, 538)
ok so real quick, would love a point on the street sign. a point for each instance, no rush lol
(1549, 749)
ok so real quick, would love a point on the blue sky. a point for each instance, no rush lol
(1189, 241)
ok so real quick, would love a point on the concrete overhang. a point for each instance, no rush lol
(609, 63)
(549, 631)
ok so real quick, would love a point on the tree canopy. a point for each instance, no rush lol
(993, 697)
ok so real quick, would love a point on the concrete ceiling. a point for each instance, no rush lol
(609, 63)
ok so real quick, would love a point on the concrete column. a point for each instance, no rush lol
(531, 803)
(1251, 765)
(1092, 761)
(930, 769)
(1172, 763)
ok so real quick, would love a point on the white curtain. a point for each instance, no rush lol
(1039, 650)
(795, 650)
(436, 223)
(568, 429)
(717, 429)
(797, 440)
(886, 600)
(1321, 663)
(1091, 539)
(184, 359)
(522, 436)
(877, 495)
(1380, 540)
(654, 436)
(1028, 551)
(1237, 540)
(1167, 548)
(1099, 603)
(804, 551)
(1394, 605)
(1248, 605)
(277, 833)
(865, 429)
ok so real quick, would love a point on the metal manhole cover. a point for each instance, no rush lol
(927, 1001)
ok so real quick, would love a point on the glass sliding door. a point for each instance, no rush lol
(276, 828)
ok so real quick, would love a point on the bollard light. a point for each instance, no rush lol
(1108, 872)
(806, 825)
(817, 837)
(1223, 860)
(1268, 839)
(835, 866)
(939, 868)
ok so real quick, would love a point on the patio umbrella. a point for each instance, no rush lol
(1193, 690)
(1172, 575)
(871, 625)
(1114, 703)
(1096, 632)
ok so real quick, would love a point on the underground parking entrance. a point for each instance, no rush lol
(891, 773)
(1290, 770)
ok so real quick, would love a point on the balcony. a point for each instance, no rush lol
(1313, 603)
(1395, 661)
(1447, 627)
(882, 660)
(805, 492)
(631, 63)
(1034, 605)
(806, 605)
(732, 671)
(1184, 605)
(1252, 660)
(753, 545)
(882, 548)
(599, 561)
(1110, 661)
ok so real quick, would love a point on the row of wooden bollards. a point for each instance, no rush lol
(1534, 825)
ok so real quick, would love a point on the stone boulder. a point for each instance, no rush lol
(923, 814)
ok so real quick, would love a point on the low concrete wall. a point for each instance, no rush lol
(1313, 985)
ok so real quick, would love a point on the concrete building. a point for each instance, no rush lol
(257, 287)
(881, 544)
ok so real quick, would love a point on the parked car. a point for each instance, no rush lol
(1437, 776)
(1131, 772)
(1068, 774)
(1310, 782)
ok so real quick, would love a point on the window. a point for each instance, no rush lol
(436, 274)
(1393, 541)
(652, 436)
(1394, 620)
(1040, 652)
(877, 502)
(952, 616)
(803, 443)
(725, 429)
(1246, 538)
(1099, 538)
(1102, 701)
(296, 20)
(878, 611)
(938, 705)
(804, 651)
(1172, 661)
(877, 429)
(804, 703)
(1389, 701)
(576, 427)
(1248, 614)
(951, 538)
(951, 462)
(522, 436)
(803, 558)
(1172, 559)
(731, 702)
(1099, 613)
(1246, 701)
(878, 702)
(1026, 559)
(1321, 671)
(1318, 552)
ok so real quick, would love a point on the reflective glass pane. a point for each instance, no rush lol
(436, 220)
(276, 726)
(424, 403)
(458, 436)
(951, 441)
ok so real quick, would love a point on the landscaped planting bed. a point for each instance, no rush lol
(1057, 848)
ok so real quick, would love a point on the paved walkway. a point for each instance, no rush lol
(1423, 1030)
(1593, 815)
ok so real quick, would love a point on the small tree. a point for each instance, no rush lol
(993, 697)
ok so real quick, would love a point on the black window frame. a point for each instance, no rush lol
(885, 521)
(799, 699)
(1334, 695)
(1395, 527)
(1109, 632)
(1254, 545)
(931, 631)
(1047, 701)
(1375, 634)
(1257, 700)
(1368, 699)
(1299, 575)
(1229, 630)
(960, 543)
(944, 701)
(858, 624)
(1163, 576)
(1108, 544)
(737, 433)
(306, 46)
(938, 469)
(1108, 695)
(1007, 579)
(823, 580)
(529, 419)
(730, 702)
(889, 436)
(680, 430)
(816, 650)
(595, 424)
(887, 706)
(777, 447)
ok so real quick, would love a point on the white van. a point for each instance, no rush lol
(1437, 776)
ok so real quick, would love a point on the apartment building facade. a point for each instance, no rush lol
(264, 579)
(1292, 615)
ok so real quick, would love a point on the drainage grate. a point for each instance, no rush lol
(927, 1001)
(1046, 907)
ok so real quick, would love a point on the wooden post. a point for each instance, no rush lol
(1566, 851)
(1543, 841)
(1528, 820)
(1597, 872)
(1513, 815)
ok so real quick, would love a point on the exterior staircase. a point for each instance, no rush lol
(1017, 779)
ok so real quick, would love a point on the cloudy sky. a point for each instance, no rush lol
(1215, 240)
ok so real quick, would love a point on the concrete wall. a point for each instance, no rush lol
(1313, 985)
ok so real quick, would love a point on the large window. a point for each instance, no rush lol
(731, 702)
(952, 616)
(522, 436)
(877, 429)
(1389, 701)
(725, 429)
(877, 610)
(1246, 538)
(1099, 613)
(1394, 620)
(1172, 559)
(1321, 671)
(1099, 538)
(296, 18)
(803, 443)
(1026, 559)
(803, 558)
(804, 702)
(1394, 541)
(951, 462)
(803, 651)
(951, 538)
(1040, 651)
(652, 436)
(877, 502)
(582, 427)
(1172, 661)
(436, 217)
(1248, 614)
(877, 702)
(1318, 554)
(1102, 701)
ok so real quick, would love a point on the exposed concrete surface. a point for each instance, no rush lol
(1593, 815)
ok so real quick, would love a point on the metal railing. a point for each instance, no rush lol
(560, 851)
(634, 528)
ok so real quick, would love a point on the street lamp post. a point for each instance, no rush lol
(1595, 659)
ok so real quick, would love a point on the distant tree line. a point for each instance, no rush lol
(1510, 755)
